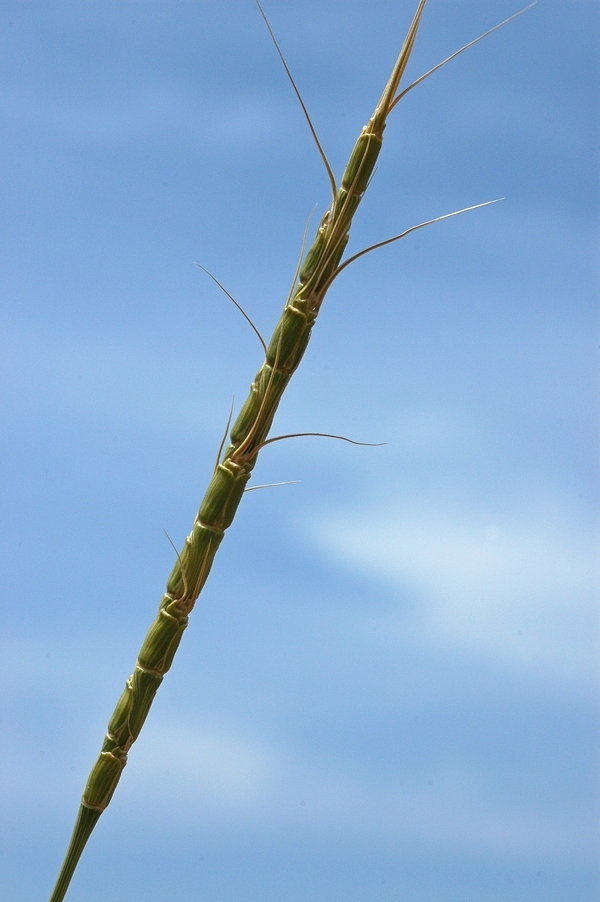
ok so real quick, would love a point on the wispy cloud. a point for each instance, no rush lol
(519, 589)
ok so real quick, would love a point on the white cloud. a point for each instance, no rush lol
(521, 590)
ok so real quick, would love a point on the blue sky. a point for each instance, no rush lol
(388, 689)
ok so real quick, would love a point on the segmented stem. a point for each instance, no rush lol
(248, 435)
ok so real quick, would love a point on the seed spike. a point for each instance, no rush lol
(248, 435)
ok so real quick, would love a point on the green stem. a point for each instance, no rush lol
(87, 819)
(224, 493)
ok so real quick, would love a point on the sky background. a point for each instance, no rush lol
(388, 690)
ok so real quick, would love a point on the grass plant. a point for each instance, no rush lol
(248, 435)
